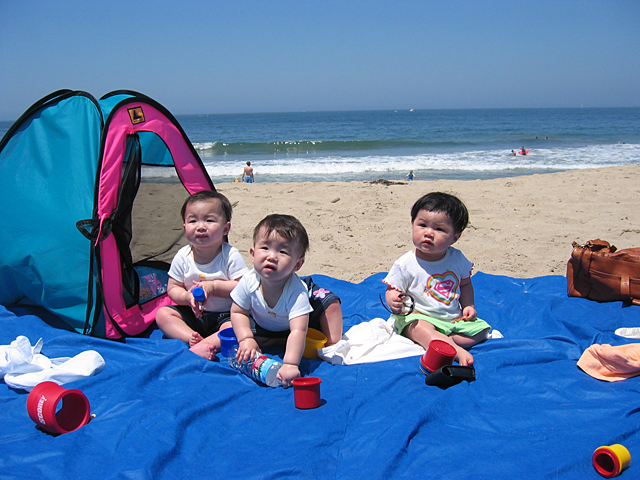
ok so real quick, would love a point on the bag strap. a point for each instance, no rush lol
(583, 264)
(597, 245)
(625, 289)
(625, 286)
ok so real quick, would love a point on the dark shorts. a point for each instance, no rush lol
(208, 324)
(319, 298)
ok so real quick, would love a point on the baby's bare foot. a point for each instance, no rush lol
(464, 358)
(195, 339)
(204, 350)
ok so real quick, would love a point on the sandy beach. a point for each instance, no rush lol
(520, 227)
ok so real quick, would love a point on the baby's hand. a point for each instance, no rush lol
(469, 314)
(395, 302)
(287, 373)
(247, 349)
(196, 306)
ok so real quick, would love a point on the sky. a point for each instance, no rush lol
(273, 56)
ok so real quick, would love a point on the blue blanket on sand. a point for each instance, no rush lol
(164, 413)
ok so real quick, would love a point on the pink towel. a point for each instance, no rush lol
(611, 364)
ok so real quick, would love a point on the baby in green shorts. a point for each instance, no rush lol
(438, 279)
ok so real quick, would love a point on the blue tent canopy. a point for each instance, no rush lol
(53, 175)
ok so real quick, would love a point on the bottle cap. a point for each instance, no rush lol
(198, 294)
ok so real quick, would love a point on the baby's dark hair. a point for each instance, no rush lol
(205, 196)
(287, 226)
(444, 203)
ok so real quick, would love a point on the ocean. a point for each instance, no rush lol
(435, 144)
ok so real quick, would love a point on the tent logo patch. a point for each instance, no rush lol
(136, 115)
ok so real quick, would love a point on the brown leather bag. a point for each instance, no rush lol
(598, 271)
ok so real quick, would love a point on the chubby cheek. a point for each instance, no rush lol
(258, 257)
(189, 230)
(417, 237)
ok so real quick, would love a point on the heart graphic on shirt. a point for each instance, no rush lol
(442, 287)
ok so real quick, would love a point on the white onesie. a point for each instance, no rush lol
(293, 302)
(228, 265)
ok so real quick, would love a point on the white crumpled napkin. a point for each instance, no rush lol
(368, 342)
(23, 366)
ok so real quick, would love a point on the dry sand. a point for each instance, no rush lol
(521, 227)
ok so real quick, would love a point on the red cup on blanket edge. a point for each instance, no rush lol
(439, 354)
(610, 461)
(306, 392)
(42, 404)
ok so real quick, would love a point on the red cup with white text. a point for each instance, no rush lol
(42, 406)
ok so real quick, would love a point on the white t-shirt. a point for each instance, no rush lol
(228, 265)
(435, 286)
(293, 302)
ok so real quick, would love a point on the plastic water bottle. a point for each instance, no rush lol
(200, 297)
(261, 368)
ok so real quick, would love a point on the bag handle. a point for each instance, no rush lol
(584, 263)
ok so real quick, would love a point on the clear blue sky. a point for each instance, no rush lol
(264, 56)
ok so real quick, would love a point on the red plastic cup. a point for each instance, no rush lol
(42, 404)
(439, 354)
(306, 392)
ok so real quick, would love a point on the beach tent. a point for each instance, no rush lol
(71, 166)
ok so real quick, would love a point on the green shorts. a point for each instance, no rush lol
(445, 327)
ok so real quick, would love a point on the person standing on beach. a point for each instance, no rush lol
(247, 174)
(410, 175)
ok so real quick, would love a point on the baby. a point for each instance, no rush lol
(438, 278)
(271, 303)
(208, 262)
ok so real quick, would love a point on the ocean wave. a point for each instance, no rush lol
(207, 149)
(470, 164)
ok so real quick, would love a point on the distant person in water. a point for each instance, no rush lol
(247, 174)
(410, 175)
(523, 151)
(513, 153)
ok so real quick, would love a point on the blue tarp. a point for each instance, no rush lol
(164, 413)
